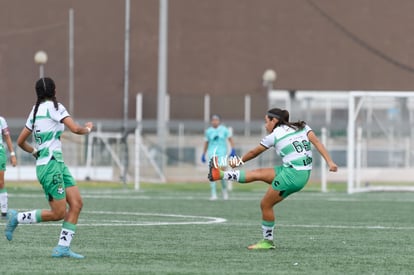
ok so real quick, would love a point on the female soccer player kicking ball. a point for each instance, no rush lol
(292, 142)
(46, 123)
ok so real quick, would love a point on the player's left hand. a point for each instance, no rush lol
(13, 161)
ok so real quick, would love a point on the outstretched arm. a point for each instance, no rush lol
(249, 155)
(76, 128)
(322, 150)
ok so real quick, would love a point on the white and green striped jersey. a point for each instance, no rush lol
(47, 130)
(3, 128)
(292, 145)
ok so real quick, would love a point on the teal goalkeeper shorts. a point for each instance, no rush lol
(54, 177)
(289, 180)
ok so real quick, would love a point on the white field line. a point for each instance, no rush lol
(198, 220)
(351, 227)
(119, 222)
(208, 220)
(239, 197)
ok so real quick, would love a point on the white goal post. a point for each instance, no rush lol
(130, 160)
(380, 141)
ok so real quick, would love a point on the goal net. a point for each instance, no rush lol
(116, 157)
(380, 141)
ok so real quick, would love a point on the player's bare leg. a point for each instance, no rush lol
(67, 233)
(269, 200)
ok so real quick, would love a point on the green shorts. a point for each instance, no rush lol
(3, 159)
(54, 178)
(289, 180)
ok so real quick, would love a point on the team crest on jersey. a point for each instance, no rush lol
(60, 190)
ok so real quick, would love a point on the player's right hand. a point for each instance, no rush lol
(333, 167)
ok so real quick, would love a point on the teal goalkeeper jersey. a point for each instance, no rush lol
(217, 141)
(291, 145)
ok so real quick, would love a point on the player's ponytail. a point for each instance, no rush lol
(45, 89)
(283, 118)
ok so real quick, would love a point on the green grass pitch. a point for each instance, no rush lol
(175, 229)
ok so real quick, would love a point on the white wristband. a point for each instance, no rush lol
(34, 152)
(89, 129)
(12, 154)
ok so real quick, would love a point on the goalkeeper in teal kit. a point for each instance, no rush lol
(215, 145)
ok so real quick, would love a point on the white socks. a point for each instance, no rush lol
(3, 202)
(27, 217)
(66, 236)
(67, 233)
(267, 229)
(232, 175)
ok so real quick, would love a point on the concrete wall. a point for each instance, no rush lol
(216, 47)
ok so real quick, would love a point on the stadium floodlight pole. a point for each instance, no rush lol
(269, 77)
(71, 62)
(126, 62)
(162, 80)
(40, 58)
(126, 86)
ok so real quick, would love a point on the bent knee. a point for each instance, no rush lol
(76, 205)
(58, 214)
(268, 204)
(264, 204)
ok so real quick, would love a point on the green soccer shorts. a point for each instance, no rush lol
(3, 159)
(288, 180)
(54, 177)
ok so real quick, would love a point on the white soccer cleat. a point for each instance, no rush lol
(225, 195)
(213, 198)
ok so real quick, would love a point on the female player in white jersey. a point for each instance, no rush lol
(292, 142)
(5, 133)
(46, 123)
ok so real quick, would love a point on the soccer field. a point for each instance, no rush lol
(175, 229)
